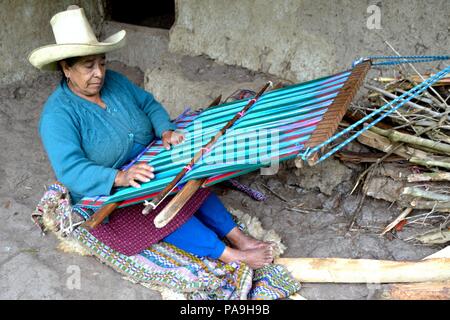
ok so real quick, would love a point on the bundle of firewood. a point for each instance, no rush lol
(409, 151)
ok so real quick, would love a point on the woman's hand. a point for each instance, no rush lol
(171, 137)
(141, 172)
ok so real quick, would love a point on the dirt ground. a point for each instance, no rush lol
(32, 268)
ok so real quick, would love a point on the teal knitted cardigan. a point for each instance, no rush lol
(86, 143)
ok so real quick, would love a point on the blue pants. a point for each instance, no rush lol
(201, 234)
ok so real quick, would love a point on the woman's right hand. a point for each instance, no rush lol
(141, 172)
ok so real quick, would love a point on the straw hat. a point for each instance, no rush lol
(74, 38)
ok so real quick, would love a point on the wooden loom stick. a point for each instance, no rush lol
(107, 209)
(183, 196)
(177, 203)
(160, 196)
(100, 215)
(336, 111)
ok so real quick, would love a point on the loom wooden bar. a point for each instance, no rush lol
(160, 196)
(177, 203)
(339, 106)
(100, 215)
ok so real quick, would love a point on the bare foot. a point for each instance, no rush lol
(255, 258)
(241, 241)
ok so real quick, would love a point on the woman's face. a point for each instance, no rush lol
(87, 75)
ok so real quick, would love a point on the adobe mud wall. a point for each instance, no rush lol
(304, 39)
(26, 26)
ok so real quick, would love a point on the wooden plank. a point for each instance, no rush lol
(337, 270)
(337, 109)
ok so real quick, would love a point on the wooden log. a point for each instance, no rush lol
(443, 206)
(429, 176)
(413, 155)
(374, 140)
(396, 136)
(417, 192)
(436, 236)
(337, 270)
(299, 163)
(421, 290)
(430, 163)
(417, 291)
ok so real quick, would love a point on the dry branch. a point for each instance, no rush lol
(396, 136)
(379, 142)
(436, 236)
(417, 192)
(430, 176)
(397, 220)
(413, 155)
(409, 103)
(436, 205)
(430, 163)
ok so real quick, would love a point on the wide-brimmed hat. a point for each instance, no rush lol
(74, 38)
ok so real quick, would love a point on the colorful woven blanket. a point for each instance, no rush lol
(162, 265)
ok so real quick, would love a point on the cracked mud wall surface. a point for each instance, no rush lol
(300, 39)
(26, 26)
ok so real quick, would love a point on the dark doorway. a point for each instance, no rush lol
(155, 14)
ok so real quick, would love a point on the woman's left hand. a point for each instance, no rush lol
(171, 138)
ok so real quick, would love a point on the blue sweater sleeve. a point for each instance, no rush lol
(155, 111)
(62, 143)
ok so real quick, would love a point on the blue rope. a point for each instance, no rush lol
(417, 90)
(395, 60)
(391, 63)
(438, 57)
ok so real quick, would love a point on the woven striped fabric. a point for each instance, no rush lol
(281, 124)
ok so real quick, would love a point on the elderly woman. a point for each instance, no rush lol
(97, 120)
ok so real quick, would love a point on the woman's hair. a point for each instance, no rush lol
(70, 62)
